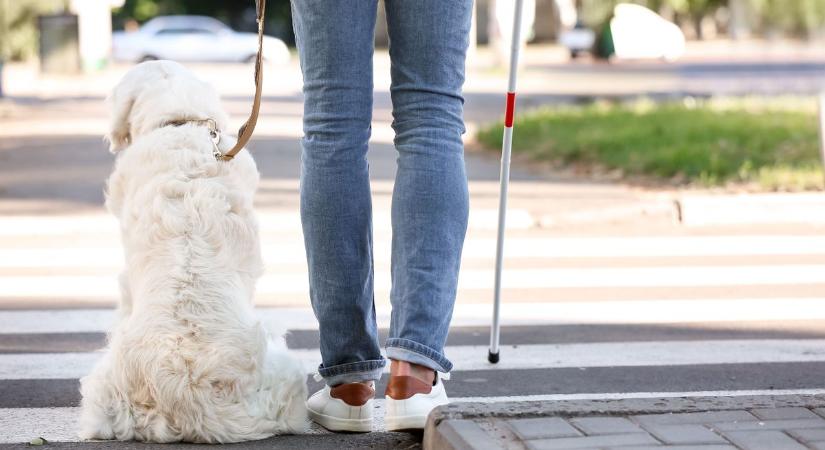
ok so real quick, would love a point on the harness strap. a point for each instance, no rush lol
(245, 132)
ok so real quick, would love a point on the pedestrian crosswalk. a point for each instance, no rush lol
(584, 316)
(48, 366)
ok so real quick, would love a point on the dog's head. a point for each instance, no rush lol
(155, 92)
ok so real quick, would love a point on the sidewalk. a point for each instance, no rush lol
(714, 422)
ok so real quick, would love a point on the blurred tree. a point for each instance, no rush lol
(801, 18)
(696, 11)
(18, 31)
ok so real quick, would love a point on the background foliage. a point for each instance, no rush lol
(799, 18)
(18, 20)
(18, 34)
(772, 144)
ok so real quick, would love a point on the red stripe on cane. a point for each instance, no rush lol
(511, 107)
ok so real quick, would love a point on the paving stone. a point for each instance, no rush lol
(551, 427)
(675, 447)
(763, 440)
(463, 434)
(694, 418)
(817, 445)
(768, 425)
(605, 425)
(808, 435)
(784, 413)
(685, 434)
(614, 440)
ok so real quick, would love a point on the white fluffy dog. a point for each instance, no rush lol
(187, 359)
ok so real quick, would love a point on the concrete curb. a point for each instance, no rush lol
(473, 425)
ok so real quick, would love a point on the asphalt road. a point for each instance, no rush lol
(631, 315)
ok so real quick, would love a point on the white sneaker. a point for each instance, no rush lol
(409, 401)
(347, 407)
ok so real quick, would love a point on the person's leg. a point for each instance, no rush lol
(335, 43)
(428, 45)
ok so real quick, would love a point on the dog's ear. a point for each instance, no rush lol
(120, 102)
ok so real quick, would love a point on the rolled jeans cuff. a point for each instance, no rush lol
(413, 352)
(353, 372)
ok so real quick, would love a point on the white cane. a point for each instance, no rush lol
(506, 149)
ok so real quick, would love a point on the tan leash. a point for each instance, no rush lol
(245, 132)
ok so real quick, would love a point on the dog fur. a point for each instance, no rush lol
(187, 360)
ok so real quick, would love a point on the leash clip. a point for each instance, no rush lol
(215, 136)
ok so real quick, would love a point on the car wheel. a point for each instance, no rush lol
(148, 58)
(574, 54)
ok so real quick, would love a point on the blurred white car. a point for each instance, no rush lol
(639, 33)
(578, 39)
(193, 38)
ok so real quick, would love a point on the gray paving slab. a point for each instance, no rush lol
(768, 425)
(695, 418)
(542, 427)
(784, 413)
(605, 425)
(685, 434)
(612, 440)
(675, 447)
(462, 434)
(763, 440)
(808, 435)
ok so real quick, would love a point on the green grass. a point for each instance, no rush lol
(772, 144)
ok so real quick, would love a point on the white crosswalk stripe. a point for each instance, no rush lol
(478, 315)
(615, 354)
(72, 259)
(291, 283)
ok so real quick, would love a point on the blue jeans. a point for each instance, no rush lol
(428, 44)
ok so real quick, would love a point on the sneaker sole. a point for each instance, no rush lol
(398, 423)
(337, 424)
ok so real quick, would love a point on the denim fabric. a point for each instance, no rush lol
(428, 43)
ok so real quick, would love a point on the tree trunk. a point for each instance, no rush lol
(697, 26)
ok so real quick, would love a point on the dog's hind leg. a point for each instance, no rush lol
(100, 409)
(284, 391)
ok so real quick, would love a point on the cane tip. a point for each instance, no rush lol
(492, 357)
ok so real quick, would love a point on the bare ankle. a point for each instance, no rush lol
(404, 368)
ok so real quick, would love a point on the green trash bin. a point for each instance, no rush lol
(603, 47)
(59, 43)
